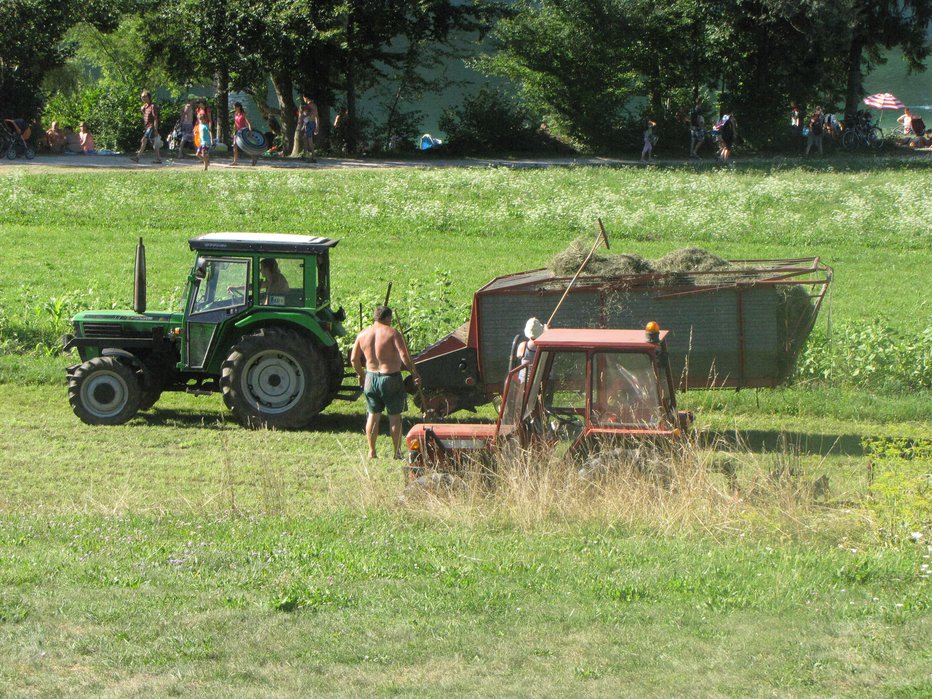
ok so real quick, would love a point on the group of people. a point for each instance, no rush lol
(61, 139)
(195, 126)
(723, 134)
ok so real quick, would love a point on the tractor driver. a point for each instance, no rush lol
(378, 356)
(273, 282)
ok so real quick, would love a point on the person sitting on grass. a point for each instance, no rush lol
(72, 141)
(55, 138)
(88, 146)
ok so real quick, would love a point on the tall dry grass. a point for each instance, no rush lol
(718, 490)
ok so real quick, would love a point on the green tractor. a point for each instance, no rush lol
(257, 326)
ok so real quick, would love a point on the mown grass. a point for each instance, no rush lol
(183, 555)
(353, 605)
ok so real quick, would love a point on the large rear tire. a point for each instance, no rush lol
(104, 391)
(276, 378)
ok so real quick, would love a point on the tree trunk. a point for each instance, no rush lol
(855, 85)
(223, 104)
(351, 131)
(284, 92)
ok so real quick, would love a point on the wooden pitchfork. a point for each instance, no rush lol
(601, 237)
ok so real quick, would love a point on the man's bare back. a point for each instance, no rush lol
(383, 348)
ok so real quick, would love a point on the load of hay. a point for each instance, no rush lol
(684, 261)
(680, 267)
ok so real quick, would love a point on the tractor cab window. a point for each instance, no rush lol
(281, 281)
(624, 390)
(220, 283)
(556, 404)
(512, 398)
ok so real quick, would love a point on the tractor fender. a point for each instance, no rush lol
(274, 317)
(134, 361)
(123, 354)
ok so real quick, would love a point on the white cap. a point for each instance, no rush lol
(533, 328)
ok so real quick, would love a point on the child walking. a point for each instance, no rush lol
(240, 124)
(649, 140)
(203, 132)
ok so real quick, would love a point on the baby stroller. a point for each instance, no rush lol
(13, 139)
(181, 134)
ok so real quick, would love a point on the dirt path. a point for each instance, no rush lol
(53, 163)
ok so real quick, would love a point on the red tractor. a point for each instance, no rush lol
(584, 388)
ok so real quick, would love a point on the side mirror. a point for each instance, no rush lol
(200, 268)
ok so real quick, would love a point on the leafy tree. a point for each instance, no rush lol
(581, 62)
(200, 40)
(883, 24)
(31, 45)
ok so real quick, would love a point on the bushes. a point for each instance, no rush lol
(492, 122)
(111, 112)
(869, 355)
(900, 493)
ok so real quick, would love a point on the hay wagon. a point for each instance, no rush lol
(738, 327)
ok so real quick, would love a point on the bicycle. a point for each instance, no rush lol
(862, 132)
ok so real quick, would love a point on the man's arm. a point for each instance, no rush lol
(402, 348)
(356, 360)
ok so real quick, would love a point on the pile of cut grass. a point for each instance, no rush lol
(684, 260)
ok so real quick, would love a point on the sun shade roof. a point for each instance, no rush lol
(597, 339)
(262, 242)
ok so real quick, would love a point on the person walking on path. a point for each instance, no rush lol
(696, 130)
(240, 124)
(378, 355)
(150, 125)
(727, 132)
(649, 140)
(310, 119)
(203, 132)
(816, 124)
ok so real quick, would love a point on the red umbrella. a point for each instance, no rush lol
(884, 100)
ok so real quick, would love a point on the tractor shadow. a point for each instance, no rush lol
(769, 441)
(336, 423)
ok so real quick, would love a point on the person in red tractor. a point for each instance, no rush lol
(378, 356)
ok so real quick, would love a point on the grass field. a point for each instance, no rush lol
(182, 555)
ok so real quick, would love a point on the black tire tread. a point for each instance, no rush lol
(85, 371)
(317, 379)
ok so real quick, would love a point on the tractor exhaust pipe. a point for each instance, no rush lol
(139, 279)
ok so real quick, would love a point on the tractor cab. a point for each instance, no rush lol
(585, 388)
(239, 280)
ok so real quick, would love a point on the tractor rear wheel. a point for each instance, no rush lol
(275, 378)
(104, 391)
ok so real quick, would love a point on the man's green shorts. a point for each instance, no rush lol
(385, 391)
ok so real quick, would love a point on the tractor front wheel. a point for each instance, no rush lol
(104, 391)
(275, 378)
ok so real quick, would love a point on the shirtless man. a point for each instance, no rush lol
(384, 352)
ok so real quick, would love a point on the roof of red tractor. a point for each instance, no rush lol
(593, 338)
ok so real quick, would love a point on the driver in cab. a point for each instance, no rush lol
(272, 284)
